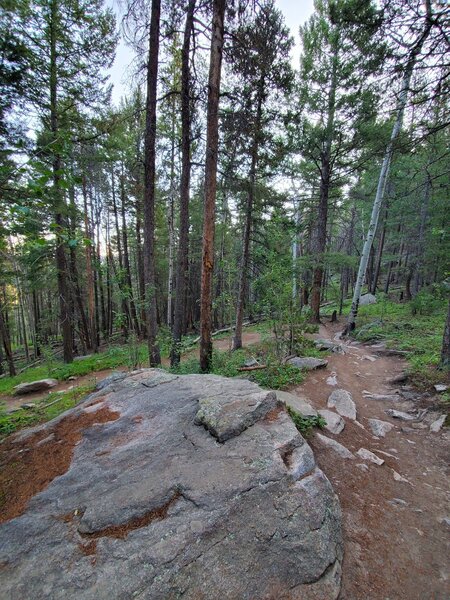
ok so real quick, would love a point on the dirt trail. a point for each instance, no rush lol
(396, 538)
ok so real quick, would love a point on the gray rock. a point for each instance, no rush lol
(308, 363)
(380, 428)
(153, 506)
(437, 425)
(34, 386)
(441, 387)
(335, 446)
(398, 502)
(78, 358)
(335, 423)
(328, 345)
(28, 405)
(342, 401)
(250, 362)
(113, 378)
(398, 414)
(368, 455)
(366, 299)
(299, 403)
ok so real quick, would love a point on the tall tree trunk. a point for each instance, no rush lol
(4, 336)
(126, 258)
(119, 276)
(61, 264)
(243, 279)
(376, 274)
(89, 271)
(212, 143)
(416, 50)
(319, 241)
(420, 242)
(149, 187)
(445, 352)
(182, 265)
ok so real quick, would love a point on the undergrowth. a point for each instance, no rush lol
(305, 424)
(25, 417)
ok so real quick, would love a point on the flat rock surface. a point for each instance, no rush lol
(149, 504)
(298, 403)
(34, 386)
(342, 401)
(308, 363)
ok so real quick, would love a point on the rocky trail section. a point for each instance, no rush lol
(173, 486)
(389, 468)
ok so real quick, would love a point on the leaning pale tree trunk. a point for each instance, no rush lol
(445, 353)
(149, 187)
(400, 109)
(212, 143)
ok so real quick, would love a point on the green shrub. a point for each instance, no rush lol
(305, 424)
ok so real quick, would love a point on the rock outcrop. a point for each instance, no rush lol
(34, 386)
(307, 363)
(190, 486)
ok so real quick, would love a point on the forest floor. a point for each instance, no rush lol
(395, 528)
(396, 532)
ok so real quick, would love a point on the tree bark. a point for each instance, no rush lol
(212, 143)
(4, 335)
(182, 266)
(149, 187)
(60, 254)
(445, 353)
(243, 280)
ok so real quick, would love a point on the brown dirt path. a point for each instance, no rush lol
(394, 549)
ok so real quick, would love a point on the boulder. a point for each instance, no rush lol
(370, 456)
(192, 486)
(299, 403)
(328, 345)
(380, 428)
(437, 425)
(308, 363)
(366, 299)
(342, 401)
(335, 423)
(34, 386)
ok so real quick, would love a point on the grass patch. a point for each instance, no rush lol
(305, 424)
(405, 327)
(9, 423)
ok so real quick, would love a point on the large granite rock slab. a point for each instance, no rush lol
(34, 386)
(307, 363)
(154, 506)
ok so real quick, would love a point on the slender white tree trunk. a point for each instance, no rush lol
(400, 109)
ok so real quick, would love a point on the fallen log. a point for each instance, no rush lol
(254, 368)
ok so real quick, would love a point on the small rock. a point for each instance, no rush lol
(34, 386)
(383, 397)
(445, 521)
(28, 405)
(308, 363)
(342, 401)
(72, 378)
(251, 362)
(398, 477)
(399, 378)
(380, 428)
(441, 387)
(371, 358)
(328, 345)
(335, 423)
(366, 299)
(368, 455)
(387, 454)
(438, 424)
(362, 466)
(298, 403)
(332, 379)
(336, 446)
(397, 414)
(398, 501)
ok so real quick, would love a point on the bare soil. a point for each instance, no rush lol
(28, 466)
(396, 539)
